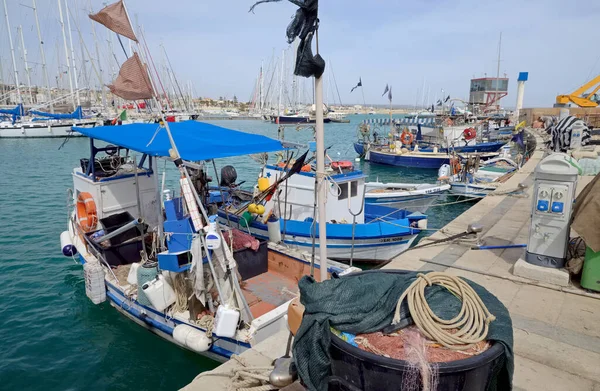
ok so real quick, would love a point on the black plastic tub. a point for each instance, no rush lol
(353, 368)
(252, 263)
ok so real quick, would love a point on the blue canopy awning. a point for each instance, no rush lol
(194, 140)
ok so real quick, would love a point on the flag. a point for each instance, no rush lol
(432, 108)
(387, 88)
(358, 85)
(114, 17)
(518, 139)
(447, 99)
(133, 82)
(121, 117)
(390, 94)
(439, 102)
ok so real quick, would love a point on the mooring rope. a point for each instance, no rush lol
(472, 322)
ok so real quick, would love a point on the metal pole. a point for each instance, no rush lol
(43, 56)
(322, 188)
(12, 53)
(98, 59)
(498, 75)
(62, 25)
(20, 29)
(72, 54)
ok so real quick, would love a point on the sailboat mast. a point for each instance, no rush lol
(72, 54)
(62, 25)
(262, 86)
(280, 83)
(43, 56)
(498, 74)
(27, 74)
(12, 53)
(100, 70)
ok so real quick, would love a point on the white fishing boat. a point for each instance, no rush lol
(153, 259)
(477, 179)
(45, 125)
(417, 197)
(356, 230)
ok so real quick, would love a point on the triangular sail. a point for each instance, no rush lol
(133, 82)
(115, 18)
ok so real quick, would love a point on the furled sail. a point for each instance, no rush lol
(115, 18)
(15, 113)
(77, 114)
(133, 81)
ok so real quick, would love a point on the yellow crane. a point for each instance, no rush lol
(580, 97)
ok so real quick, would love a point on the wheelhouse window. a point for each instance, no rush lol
(344, 190)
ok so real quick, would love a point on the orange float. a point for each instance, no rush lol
(469, 133)
(87, 215)
(343, 164)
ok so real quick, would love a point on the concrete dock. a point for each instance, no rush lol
(556, 328)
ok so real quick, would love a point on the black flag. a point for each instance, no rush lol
(390, 94)
(439, 102)
(387, 89)
(432, 109)
(358, 85)
(447, 99)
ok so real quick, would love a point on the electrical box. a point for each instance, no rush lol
(554, 193)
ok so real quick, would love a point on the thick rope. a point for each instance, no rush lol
(245, 378)
(472, 322)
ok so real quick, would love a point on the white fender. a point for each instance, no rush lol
(191, 338)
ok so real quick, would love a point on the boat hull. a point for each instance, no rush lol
(419, 203)
(374, 249)
(42, 130)
(359, 147)
(470, 190)
(408, 160)
(282, 119)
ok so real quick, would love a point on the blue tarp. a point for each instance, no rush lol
(194, 140)
(15, 113)
(77, 114)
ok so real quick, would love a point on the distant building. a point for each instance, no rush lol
(486, 92)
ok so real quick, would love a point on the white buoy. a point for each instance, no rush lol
(357, 159)
(95, 289)
(422, 224)
(132, 276)
(274, 229)
(191, 338)
(66, 244)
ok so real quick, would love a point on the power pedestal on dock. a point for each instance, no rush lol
(554, 192)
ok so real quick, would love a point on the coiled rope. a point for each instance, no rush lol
(472, 322)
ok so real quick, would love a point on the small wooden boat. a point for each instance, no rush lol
(410, 196)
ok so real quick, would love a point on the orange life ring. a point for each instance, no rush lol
(469, 133)
(406, 138)
(343, 164)
(306, 168)
(86, 212)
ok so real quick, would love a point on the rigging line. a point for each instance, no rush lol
(335, 82)
(149, 56)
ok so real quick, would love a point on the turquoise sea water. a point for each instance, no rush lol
(51, 336)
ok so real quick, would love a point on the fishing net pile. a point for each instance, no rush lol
(365, 303)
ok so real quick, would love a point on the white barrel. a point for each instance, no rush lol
(274, 229)
(191, 338)
(444, 171)
(66, 244)
(159, 292)
(95, 289)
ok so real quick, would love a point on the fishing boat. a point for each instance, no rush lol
(149, 255)
(367, 232)
(409, 196)
(295, 119)
(476, 178)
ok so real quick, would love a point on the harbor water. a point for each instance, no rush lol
(53, 337)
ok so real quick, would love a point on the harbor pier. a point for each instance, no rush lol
(556, 333)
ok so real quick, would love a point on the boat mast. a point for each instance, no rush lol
(12, 53)
(498, 75)
(100, 70)
(72, 54)
(321, 194)
(20, 30)
(62, 25)
(43, 56)
(261, 87)
(280, 84)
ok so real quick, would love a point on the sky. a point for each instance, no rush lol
(419, 47)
